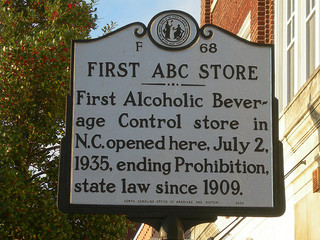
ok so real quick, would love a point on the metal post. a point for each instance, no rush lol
(171, 229)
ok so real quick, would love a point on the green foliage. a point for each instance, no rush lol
(35, 43)
(109, 27)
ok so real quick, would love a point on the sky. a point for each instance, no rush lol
(124, 12)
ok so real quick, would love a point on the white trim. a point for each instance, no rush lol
(244, 31)
(317, 34)
(138, 232)
(213, 5)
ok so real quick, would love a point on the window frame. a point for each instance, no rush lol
(291, 49)
(310, 17)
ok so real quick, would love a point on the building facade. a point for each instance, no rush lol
(251, 19)
(294, 27)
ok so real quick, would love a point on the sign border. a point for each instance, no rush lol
(150, 214)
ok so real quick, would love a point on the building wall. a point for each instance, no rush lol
(299, 113)
(294, 28)
(146, 232)
(230, 15)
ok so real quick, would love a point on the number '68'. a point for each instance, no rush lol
(212, 48)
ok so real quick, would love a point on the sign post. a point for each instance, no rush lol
(172, 120)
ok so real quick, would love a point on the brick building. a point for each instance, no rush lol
(146, 232)
(294, 27)
(240, 16)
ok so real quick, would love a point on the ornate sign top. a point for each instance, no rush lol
(173, 30)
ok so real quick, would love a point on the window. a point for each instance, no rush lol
(297, 46)
(290, 48)
(310, 37)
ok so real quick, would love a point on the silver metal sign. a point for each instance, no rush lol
(172, 118)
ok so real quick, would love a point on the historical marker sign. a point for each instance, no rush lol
(171, 118)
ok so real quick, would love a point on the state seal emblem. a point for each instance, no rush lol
(173, 30)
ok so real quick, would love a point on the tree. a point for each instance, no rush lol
(35, 43)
